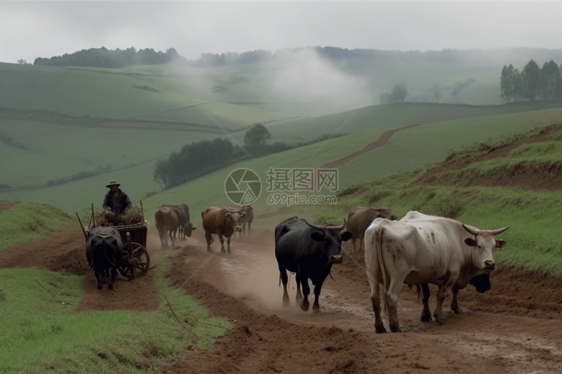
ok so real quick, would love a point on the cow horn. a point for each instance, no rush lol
(498, 231)
(233, 211)
(340, 227)
(474, 231)
(314, 226)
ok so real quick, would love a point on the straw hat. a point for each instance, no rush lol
(113, 183)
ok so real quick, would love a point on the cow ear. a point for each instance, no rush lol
(242, 215)
(499, 244)
(346, 236)
(470, 242)
(227, 215)
(317, 236)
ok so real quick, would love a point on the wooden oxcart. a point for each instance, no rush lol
(133, 238)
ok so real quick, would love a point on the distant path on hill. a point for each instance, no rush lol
(382, 140)
(5, 205)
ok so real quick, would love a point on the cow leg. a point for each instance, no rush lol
(173, 237)
(222, 243)
(376, 302)
(299, 294)
(440, 298)
(98, 277)
(426, 313)
(455, 304)
(209, 239)
(316, 305)
(285, 280)
(112, 275)
(228, 244)
(306, 291)
(392, 304)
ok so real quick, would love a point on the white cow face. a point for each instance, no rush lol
(483, 247)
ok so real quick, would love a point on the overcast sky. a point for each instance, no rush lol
(45, 29)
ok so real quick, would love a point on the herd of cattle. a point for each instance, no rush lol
(416, 250)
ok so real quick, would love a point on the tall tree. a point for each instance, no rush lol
(550, 80)
(508, 83)
(399, 92)
(256, 136)
(531, 75)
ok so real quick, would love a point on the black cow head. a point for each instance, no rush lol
(481, 283)
(331, 238)
(188, 229)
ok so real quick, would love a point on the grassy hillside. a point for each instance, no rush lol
(408, 150)
(55, 151)
(531, 210)
(398, 115)
(24, 223)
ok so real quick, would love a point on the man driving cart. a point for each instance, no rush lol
(116, 203)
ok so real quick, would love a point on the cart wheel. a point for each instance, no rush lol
(139, 262)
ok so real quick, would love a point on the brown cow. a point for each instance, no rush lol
(167, 223)
(248, 211)
(222, 222)
(360, 217)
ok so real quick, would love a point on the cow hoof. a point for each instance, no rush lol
(440, 320)
(395, 329)
(299, 298)
(304, 306)
(380, 330)
(99, 286)
(110, 286)
(426, 318)
(286, 302)
(315, 309)
(458, 310)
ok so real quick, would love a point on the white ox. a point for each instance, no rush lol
(422, 249)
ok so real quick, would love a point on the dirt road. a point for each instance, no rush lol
(515, 328)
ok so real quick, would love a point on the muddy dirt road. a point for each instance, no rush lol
(515, 328)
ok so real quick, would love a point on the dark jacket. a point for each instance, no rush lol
(117, 204)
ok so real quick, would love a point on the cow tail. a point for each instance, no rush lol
(419, 291)
(381, 269)
(105, 252)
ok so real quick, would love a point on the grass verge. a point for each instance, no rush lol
(25, 223)
(39, 334)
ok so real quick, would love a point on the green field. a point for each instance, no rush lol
(41, 331)
(408, 149)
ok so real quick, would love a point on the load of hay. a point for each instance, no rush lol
(131, 216)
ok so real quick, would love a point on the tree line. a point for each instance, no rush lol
(199, 158)
(105, 58)
(533, 82)
(203, 157)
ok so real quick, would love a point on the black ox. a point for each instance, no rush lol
(309, 251)
(480, 282)
(104, 251)
(185, 226)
